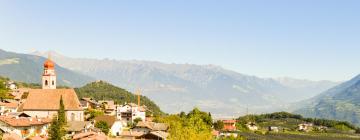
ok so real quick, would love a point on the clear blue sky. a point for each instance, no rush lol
(310, 39)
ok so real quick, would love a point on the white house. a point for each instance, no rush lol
(129, 112)
(8, 107)
(114, 124)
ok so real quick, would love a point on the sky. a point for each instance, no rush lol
(306, 39)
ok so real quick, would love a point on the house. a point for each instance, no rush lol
(90, 136)
(155, 135)
(24, 126)
(8, 107)
(131, 135)
(229, 125)
(273, 129)
(147, 127)
(115, 125)
(109, 106)
(252, 126)
(11, 85)
(45, 102)
(89, 103)
(18, 93)
(130, 111)
(305, 127)
(75, 127)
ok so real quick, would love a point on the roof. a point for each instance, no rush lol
(160, 134)
(18, 114)
(132, 134)
(229, 121)
(23, 121)
(153, 126)
(90, 136)
(9, 105)
(76, 125)
(38, 138)
(48, 99)
(90, 100)
(48, 64)
(11, 136)
(110, 120)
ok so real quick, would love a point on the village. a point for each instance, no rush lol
(29, 114)
(30, 117)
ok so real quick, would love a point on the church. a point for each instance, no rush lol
(45, 102)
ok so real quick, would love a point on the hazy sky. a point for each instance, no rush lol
(310, 39)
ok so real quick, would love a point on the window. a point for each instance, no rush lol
(53, 83)
(46, 82)
(72, 116)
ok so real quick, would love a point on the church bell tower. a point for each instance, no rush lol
(49, 76)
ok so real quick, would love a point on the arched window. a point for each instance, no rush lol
(46, 82)
(53, 83)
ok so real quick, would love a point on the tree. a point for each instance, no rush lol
(219, 125)
(57, 127)
(103, 126)
(61, 113)
(136, 120)
(93, 113)
(192, 126)
(54, 129)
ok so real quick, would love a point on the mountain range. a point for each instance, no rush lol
(29, 68)
(341, 103)
(180, 87)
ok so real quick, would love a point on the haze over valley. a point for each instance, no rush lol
(177, 87)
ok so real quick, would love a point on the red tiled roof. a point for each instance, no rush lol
(48, 99)
(9, 105)
(229, 121)
(23, 122)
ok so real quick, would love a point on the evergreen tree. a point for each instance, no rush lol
(54, 129)
(61, 113)
(57, 127)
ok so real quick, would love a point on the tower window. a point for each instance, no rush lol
(53, 83)
(46, 82)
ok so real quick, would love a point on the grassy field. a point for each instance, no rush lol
(299, 136)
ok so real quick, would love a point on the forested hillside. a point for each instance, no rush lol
(341, 103)
(101, 90)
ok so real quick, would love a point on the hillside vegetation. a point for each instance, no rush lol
(341, 103)
(287, 124)
(196, 125)
(101, 90)
(4, 92)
